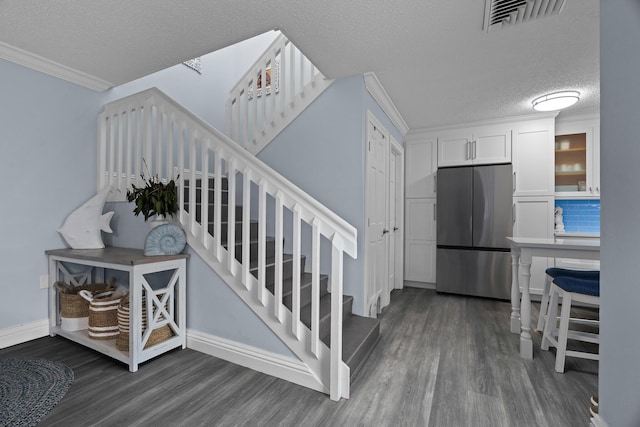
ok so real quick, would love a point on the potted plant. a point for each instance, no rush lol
(154, 198)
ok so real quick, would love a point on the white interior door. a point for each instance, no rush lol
(396, 215)
(376, 276)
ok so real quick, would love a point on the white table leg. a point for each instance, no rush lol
(526, 343)
(515, 292)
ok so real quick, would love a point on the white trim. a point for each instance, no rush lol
(419, 285)
(397, 148)
(578, 118)
(23, 333)
(377, 91)
(276, 365)
(597, 421)
(44, 65)
(503, 120)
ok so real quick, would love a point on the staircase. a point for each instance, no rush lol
(252, 216)
(359, 334)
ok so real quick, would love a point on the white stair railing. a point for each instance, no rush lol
(152, 127)
(257, 112)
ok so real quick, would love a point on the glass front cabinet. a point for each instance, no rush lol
(577, 158)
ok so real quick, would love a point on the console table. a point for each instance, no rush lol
(159, 281)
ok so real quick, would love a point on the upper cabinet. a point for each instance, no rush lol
(421, 166)
(533, 143)
(577, 157)
(475, 146)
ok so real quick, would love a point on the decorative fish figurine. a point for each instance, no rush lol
(81, 229)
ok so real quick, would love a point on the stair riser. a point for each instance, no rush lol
(305, 293)
(325, 321)
(270, 247)
(187, 195)
(287, 272)
(224, 228)
(224, 212)
(212, 183)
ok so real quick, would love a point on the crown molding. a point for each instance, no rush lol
(498, 121)
(373, 85)
(44, 65)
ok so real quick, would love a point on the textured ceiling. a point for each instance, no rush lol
(433, 58)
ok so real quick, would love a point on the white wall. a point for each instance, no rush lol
(619, 373)
(47, 167)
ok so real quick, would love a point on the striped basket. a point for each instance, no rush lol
(103, 316)
(122, 341)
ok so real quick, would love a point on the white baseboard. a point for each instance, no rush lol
(420, 285)
(23, 333)
(597, 421)
(276, 365)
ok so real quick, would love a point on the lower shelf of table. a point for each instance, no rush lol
(108, 347)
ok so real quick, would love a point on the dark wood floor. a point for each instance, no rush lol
(442, 360)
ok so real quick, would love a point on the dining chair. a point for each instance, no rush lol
(570, 289)
(552, 273)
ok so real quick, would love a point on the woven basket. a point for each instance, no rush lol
(73, 305)
(157, 336)
(103, 316)
(74, 310)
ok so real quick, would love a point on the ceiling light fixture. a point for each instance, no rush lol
(556, 100)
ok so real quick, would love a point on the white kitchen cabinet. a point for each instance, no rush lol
(533, 217)
(577, 157)
(420, 240)
(420, 166)
(533, 143)
(475, 146)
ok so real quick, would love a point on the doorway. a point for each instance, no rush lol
(384, 204)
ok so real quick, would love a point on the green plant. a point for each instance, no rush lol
(154, 198)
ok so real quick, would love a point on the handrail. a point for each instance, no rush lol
(291, 82)
(173, 141)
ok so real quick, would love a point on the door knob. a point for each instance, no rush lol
(385, 231)
(395, 228)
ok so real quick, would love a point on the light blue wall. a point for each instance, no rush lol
(47, 167)
(619, 375)
(51, 127)
(323, 152)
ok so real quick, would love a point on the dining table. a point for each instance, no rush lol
(523, 249)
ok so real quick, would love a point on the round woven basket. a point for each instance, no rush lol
(122, 341)
(73, 305)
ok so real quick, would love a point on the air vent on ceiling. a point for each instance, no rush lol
(503, 13)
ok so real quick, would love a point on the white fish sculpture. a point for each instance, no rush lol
(81, 229)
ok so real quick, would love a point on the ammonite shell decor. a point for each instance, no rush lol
(165, 239)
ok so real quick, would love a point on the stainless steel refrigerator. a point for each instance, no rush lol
(474, 217)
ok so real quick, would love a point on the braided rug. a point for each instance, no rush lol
(30, 388)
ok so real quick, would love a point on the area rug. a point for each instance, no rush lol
(30, 388)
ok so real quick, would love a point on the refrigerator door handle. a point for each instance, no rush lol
(474, 149)
(435, 212)
(468, 150)
(435, 183)
(514, 182)
(513, 213)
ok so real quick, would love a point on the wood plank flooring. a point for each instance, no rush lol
(442, 360)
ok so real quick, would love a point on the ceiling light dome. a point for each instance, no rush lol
(556, 100)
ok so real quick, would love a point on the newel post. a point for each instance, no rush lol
(336, 373)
